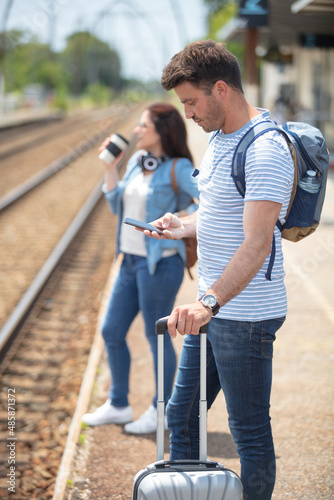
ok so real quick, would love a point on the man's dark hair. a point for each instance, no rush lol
(202, 63)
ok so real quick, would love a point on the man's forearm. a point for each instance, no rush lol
(189, 223)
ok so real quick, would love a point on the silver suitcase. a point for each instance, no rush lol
(184, 479)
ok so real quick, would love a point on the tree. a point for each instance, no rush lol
(88, 60)
(28, 61)
(221, 11)
(86, 65)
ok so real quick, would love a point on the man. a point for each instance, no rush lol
(235, 235)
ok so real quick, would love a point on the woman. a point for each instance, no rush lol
(152, 270)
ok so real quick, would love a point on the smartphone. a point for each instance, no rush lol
(142, 225)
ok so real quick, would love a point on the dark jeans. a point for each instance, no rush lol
(239, 361)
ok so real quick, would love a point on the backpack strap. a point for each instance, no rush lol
(239, 157)
(238, 170)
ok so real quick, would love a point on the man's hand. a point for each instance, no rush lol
(188, 319)
(172, 226)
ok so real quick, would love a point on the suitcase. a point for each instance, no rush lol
(185, 479)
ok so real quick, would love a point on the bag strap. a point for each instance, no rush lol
(176, 190)
(239, 158)
(238, 170)
(173, 178)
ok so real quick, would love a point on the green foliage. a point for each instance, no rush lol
(10, 40)
(98, 93)
(135, 95)
(220, 17)
(81, 439)
(61, 100)
(88, 60)
(87, 66)
(31, 63)
(238, 49)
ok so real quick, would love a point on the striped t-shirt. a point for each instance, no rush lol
(269, 173)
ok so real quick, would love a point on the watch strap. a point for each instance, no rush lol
(215, 308)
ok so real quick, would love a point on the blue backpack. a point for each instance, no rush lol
(309, 152)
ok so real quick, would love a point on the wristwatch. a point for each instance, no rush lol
(210, 301)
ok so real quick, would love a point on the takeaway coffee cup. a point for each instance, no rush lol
(116, 145)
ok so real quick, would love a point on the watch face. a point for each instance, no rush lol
(209, 300)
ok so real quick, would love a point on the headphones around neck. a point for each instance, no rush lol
(151, 162)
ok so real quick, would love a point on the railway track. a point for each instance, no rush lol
(23, 135)
(41, 371)
(28, 158)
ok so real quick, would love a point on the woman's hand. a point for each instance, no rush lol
(104, 144)
(116, 160)
(110, 169)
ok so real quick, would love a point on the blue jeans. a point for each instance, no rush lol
(239, 361)
(137, 290)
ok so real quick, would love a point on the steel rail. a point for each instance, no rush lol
(32, 293)
(51, 169)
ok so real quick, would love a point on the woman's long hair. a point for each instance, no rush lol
(172, 130)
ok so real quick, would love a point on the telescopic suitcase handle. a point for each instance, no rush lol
(160, 329)
(161, 326)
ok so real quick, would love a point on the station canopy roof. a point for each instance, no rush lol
(289, 22)
(315, 6)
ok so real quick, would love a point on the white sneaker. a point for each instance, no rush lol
(108, 414)
(146, 423)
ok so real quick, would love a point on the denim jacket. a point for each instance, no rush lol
(161, 198)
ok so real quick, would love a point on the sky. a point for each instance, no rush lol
(145, 33)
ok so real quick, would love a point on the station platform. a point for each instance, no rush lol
(101, 462)
(28, 117)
